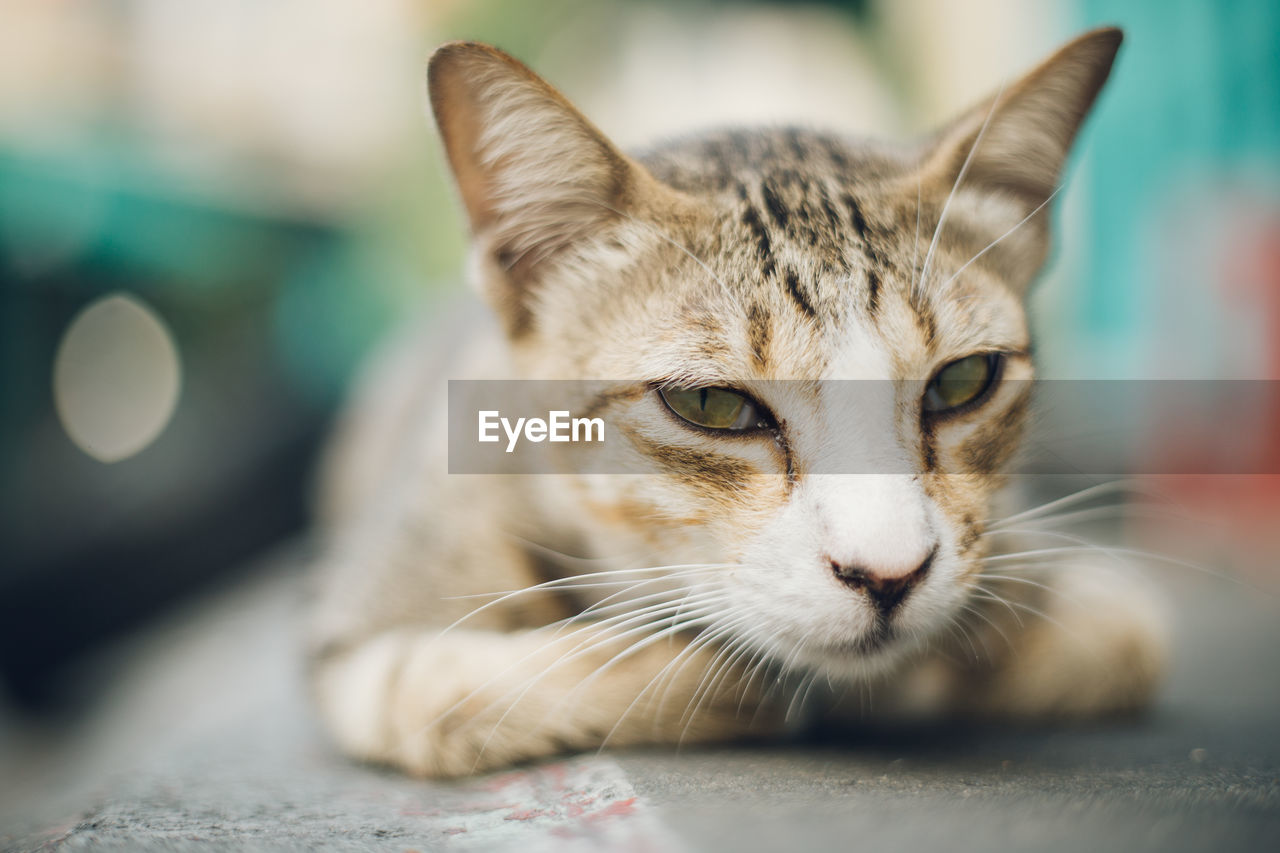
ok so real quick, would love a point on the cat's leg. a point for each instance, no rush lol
(1084, 641)
(447, 704)
(1094, 643)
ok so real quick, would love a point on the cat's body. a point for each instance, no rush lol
(765, 266)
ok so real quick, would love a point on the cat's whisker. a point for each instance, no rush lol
(560, 623)
(667, 239)
(1034, 611)
(581, 618)
(575, 581)
(918, 284)
(633, 648)
(602, 627)
(591, 645)
(562, 555)
(743, 650)
(985, 592)
(798, 696)
(1039, 553)
(669, 673)
(1120, 556)
(985, 576)
(676, 626)
(719, 630)
(761, 658)
(956, 626)
(737, 633)
(721, 641)
(787, 666)
(1078, 540)
(689, 577)
(627, 607)
(1110, 488)
(971, 631)
(591, 617)
(721, 635)
(915, 242)
(801, 700)
(742, 660)
(1113, 512)
(698, 602)
(1041, 206)
(708, 686)
(977, 611)
(569, 587)
(768, 669)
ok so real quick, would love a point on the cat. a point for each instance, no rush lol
(469, 622)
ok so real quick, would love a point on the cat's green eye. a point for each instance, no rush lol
(713, 408)
(961, 383)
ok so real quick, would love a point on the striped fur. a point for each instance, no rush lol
(777, 262)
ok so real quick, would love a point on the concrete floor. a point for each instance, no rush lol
(205, 741)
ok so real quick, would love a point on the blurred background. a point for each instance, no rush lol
(210, 211)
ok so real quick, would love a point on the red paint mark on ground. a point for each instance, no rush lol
(530, 814)
(621, 808)
(577, 803)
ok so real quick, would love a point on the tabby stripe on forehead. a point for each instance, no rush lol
(828, 209)
(751, 219)
(859, 224)
(776, 208)
(801, 299)
(758, 332)
(873, 291)
(856, 219)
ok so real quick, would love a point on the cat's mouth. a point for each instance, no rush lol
(875, 642)
(879, 648)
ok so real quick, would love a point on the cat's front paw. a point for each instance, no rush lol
(1097, 647)
(431, 705)
(463, 702)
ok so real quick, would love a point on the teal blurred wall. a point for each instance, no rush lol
(1181, 189)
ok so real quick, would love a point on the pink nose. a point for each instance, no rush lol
(886, 588)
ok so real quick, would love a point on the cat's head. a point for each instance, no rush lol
(728, 283)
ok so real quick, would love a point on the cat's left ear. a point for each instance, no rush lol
(536, 177)
(1016, 141)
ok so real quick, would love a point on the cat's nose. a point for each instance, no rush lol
(885, 588)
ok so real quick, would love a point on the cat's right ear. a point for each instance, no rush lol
(536, 177)
(1018, 140)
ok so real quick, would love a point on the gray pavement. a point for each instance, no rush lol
(205, 742)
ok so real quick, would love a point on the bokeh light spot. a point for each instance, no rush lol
(116, 378)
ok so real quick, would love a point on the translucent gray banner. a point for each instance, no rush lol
(1090, 427)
